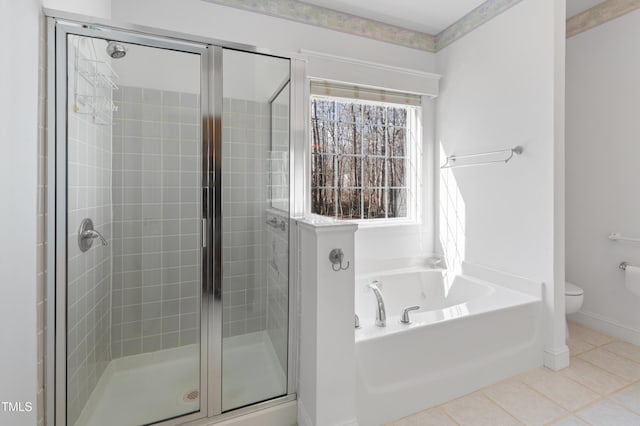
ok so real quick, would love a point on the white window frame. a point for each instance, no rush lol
(414, 176)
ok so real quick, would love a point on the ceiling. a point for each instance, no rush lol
(426, 16)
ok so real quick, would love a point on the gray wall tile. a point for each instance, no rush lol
(89, 329)
(153, 207)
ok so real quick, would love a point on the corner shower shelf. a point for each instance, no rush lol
(93, 95)
(98, 73)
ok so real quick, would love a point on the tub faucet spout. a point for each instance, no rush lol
(381, 314)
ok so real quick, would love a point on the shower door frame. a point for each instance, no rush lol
(61, 24)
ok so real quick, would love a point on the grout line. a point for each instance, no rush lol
(620, 355)
(598, 400)
(607, 371)
(578, 355)
(483, 391)
(545, 395)
(446, 414)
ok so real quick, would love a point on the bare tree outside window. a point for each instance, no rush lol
(360, 159)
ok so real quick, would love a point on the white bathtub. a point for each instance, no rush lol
(468, 333)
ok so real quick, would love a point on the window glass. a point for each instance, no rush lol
(363, 158)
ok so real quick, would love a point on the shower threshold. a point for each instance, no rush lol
(146, 388)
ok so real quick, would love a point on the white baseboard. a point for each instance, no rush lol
(607, 326)
(557, 358)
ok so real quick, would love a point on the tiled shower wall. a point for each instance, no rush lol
(278, 178)
(156, 244)
(245, 141)
(277, 275)
(88, 273)
(255, 255)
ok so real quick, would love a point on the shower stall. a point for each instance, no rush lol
(168, 228)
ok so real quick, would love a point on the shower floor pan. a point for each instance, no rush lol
(145, 388)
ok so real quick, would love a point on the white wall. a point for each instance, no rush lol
(18, 173)
(603, 172)
(499, 90)
(96, 8)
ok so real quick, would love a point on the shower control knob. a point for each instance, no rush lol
(86, 235)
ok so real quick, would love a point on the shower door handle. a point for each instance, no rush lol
(204, 233)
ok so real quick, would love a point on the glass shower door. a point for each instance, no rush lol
(170, 244)
(134, 232)
(255, 224)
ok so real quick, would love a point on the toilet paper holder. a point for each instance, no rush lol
(623, 265)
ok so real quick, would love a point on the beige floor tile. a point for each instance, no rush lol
(609, 414)
(558, 388)
(577, 331)
(432, 417)
(570, 421)
(524, 403)
(624, 349)
(629, 398)
(477, 410)
(600, 365)
(613, 363)
(593, 377)
(578, 346)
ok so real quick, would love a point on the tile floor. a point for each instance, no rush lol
(601, 387)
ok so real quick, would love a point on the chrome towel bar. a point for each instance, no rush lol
(278, 224)
(614, 236)
(509, 153)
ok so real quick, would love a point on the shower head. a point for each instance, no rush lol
(116, 50)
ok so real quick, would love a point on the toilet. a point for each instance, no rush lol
(573, 298)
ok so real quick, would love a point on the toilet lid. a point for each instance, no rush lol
(572, 290)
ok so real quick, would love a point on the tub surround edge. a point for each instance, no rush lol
(504, 279)
(371, 267)
(321, 224)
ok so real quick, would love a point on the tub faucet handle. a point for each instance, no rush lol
(405, 314)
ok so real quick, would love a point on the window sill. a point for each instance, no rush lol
(385, 223)
(369, 223)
